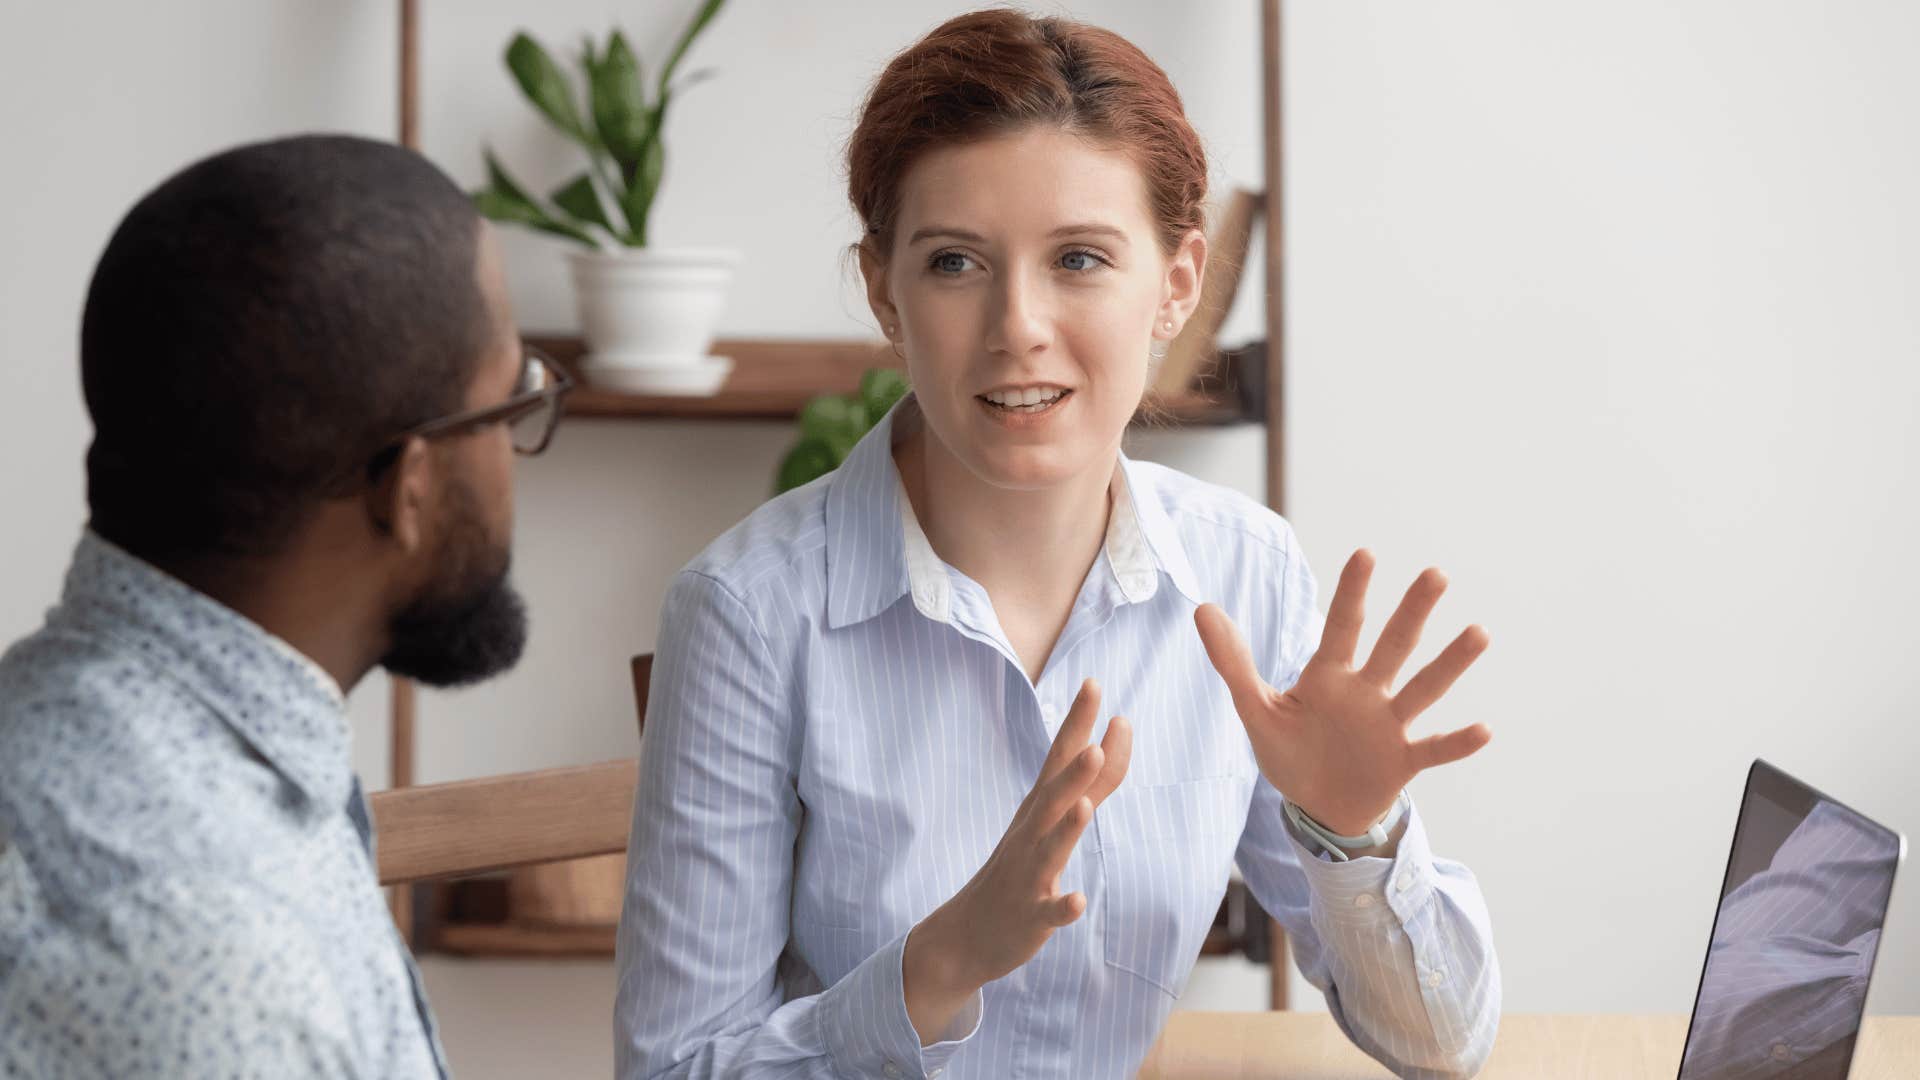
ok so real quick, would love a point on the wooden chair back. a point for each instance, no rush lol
(436, 831)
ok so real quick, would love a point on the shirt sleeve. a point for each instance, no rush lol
(1402, 947)
(182, 978)
(710, 880)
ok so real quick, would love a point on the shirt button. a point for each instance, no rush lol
(1405, 882)
(1363, 900)
(892, 1071)
(1781, 1052)
(1436, 977)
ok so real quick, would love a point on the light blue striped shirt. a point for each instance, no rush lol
(838, 736)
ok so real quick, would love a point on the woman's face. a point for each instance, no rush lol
(1025, 285)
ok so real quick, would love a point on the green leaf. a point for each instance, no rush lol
(693, 79)
(506, 201)
(638, 202)
(578, 198)
(809, 460)
(497, 177)
(547, 87)
(619, 103)
(700, 21)
(497, 205)
(880, 389)
(836, 418)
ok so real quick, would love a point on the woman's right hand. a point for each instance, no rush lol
(999, 919)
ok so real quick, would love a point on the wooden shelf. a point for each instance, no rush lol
(511, 939)
(475, 917)
(773, 380)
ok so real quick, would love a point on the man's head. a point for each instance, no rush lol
(262, 334)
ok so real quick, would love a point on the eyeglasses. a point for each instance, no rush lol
(530, 413)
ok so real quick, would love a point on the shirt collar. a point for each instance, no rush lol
(877, 551)
(285, 706)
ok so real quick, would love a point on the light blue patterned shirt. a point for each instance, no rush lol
(838, 736)
(186, 875)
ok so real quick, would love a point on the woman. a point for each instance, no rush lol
(887, 823)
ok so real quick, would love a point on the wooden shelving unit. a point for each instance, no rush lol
(773, 380)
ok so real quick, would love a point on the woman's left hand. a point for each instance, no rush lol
(1335, 743)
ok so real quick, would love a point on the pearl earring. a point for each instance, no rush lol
(1168, 324)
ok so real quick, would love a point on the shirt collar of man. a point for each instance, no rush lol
(285, 706)
(877, 552)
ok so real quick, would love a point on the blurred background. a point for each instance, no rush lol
(1612, 311)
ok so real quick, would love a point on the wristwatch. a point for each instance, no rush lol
(1336, 845)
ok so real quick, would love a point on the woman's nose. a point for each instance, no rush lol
(1020, 323)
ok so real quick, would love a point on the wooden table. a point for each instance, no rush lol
(1307, 1046)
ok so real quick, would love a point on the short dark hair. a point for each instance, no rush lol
(260, 324)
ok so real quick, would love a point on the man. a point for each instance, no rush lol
(306, 388)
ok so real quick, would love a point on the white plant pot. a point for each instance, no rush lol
(648, 316)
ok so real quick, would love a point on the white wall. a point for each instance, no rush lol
(1609, 309)
(1601, 308)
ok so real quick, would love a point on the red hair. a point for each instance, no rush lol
(1000, 71)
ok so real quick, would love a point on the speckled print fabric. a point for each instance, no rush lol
(186, 878)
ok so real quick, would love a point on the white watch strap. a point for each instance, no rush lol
(1337, 845)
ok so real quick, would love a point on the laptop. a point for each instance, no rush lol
(1802, 906)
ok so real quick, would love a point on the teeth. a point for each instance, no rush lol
(1024, 399)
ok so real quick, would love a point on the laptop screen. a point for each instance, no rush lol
(1805, 895)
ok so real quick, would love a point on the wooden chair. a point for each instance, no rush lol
(561, 820)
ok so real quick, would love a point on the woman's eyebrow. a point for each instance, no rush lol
(949, 231)
(1091, 229)
(953, 232)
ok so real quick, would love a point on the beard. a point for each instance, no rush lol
(469, 623)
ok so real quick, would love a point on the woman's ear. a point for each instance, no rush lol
(398, 504)
(873, 268)
(1186, 272)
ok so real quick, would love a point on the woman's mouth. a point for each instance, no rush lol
(1025, 402)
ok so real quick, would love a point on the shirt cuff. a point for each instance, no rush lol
(1368, 890)
(866, 1029)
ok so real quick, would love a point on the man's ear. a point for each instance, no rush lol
(398, 504)
(879, 296)
(1186, 271)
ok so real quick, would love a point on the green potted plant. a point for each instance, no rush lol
(831, 423)
(648, 313)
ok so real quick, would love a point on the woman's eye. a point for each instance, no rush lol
(950, 262)
(1080, 261)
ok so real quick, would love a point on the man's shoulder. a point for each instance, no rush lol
(75, 703)
(111, 770)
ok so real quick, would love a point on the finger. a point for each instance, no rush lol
(1231, 657)
(1056, 847)
(1430, 682)
(1341, 635)
(1061, 910)
(1403, 629)
(1056, 795)
(1449, 748)
(1118, 748)
(1074, 731)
